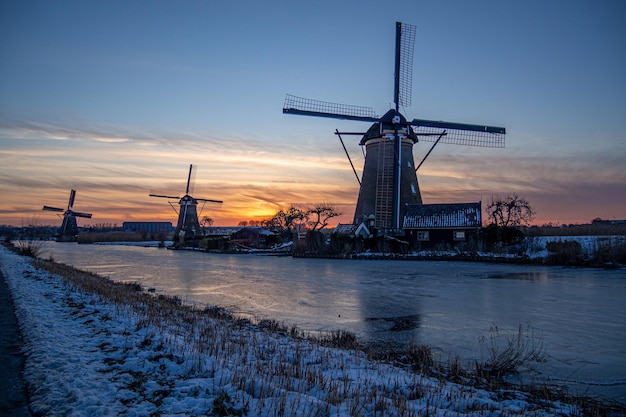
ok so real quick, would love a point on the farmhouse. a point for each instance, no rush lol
(254, 237)
(443, 226)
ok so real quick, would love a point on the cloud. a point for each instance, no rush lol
(114, 170)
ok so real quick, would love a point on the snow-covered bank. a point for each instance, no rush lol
(536, 247)
(87, 355)
(597, 251)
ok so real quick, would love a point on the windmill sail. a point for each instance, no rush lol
(48, 208)
(460, 133)
(405, 39)
(308, 107)
(403, 79)
(70, 203)
(389, 182)
(79, 214)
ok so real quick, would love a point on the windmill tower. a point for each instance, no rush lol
(389, 179)
(188, 226)
(69, 227)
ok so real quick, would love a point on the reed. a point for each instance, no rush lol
(507, 354)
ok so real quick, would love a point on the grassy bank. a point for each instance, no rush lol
(220, 329)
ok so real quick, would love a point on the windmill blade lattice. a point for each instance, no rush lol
(460, 133)
(70, 203)
(57, 209)
(209, 201)
(308, 107)
(79, 214)
(405, 44)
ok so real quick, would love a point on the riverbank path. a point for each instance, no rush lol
(13, 393)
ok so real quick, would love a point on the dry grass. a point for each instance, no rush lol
(508, 354)
(32, 248)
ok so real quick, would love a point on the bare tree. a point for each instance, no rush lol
(320, 215)
(509, 211)
(205, 223)
(286, 221)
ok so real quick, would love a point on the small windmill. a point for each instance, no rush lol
(69, 227)
(188, 226)
(389, 180)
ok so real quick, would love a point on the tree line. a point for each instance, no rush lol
(314, 218)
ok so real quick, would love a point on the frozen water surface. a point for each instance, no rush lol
(578, 313)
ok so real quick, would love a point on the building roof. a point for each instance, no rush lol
(255, 230)
(345, 229)
(441, 216)
(375, 130)
(352, 230)
(222, 230)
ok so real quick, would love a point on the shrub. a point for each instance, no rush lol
(565, 252)
(611, 252)
(495, 236)
(30, 241)
(30, 247)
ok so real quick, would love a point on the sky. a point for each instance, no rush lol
(117, 98)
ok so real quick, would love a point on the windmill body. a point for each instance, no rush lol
(188, 227)
(69, 228)
(389, 180)
(378, 178)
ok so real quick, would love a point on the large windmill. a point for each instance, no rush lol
(188, 226)
(389, 179)
(69, 227)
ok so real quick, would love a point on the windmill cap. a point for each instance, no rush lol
(386, 123)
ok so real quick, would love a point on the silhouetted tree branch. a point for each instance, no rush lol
(509, 211)
(286, 221)
(321, 214)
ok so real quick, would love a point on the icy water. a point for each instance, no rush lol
(578, 314)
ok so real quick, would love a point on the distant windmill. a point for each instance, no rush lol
(69, 227)
(188, 226)
(389, 180)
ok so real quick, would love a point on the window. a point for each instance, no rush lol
(423, 236)
(459, 235)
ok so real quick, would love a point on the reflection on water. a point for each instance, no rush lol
(527, 275)
(449, 306)
(402, 323)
